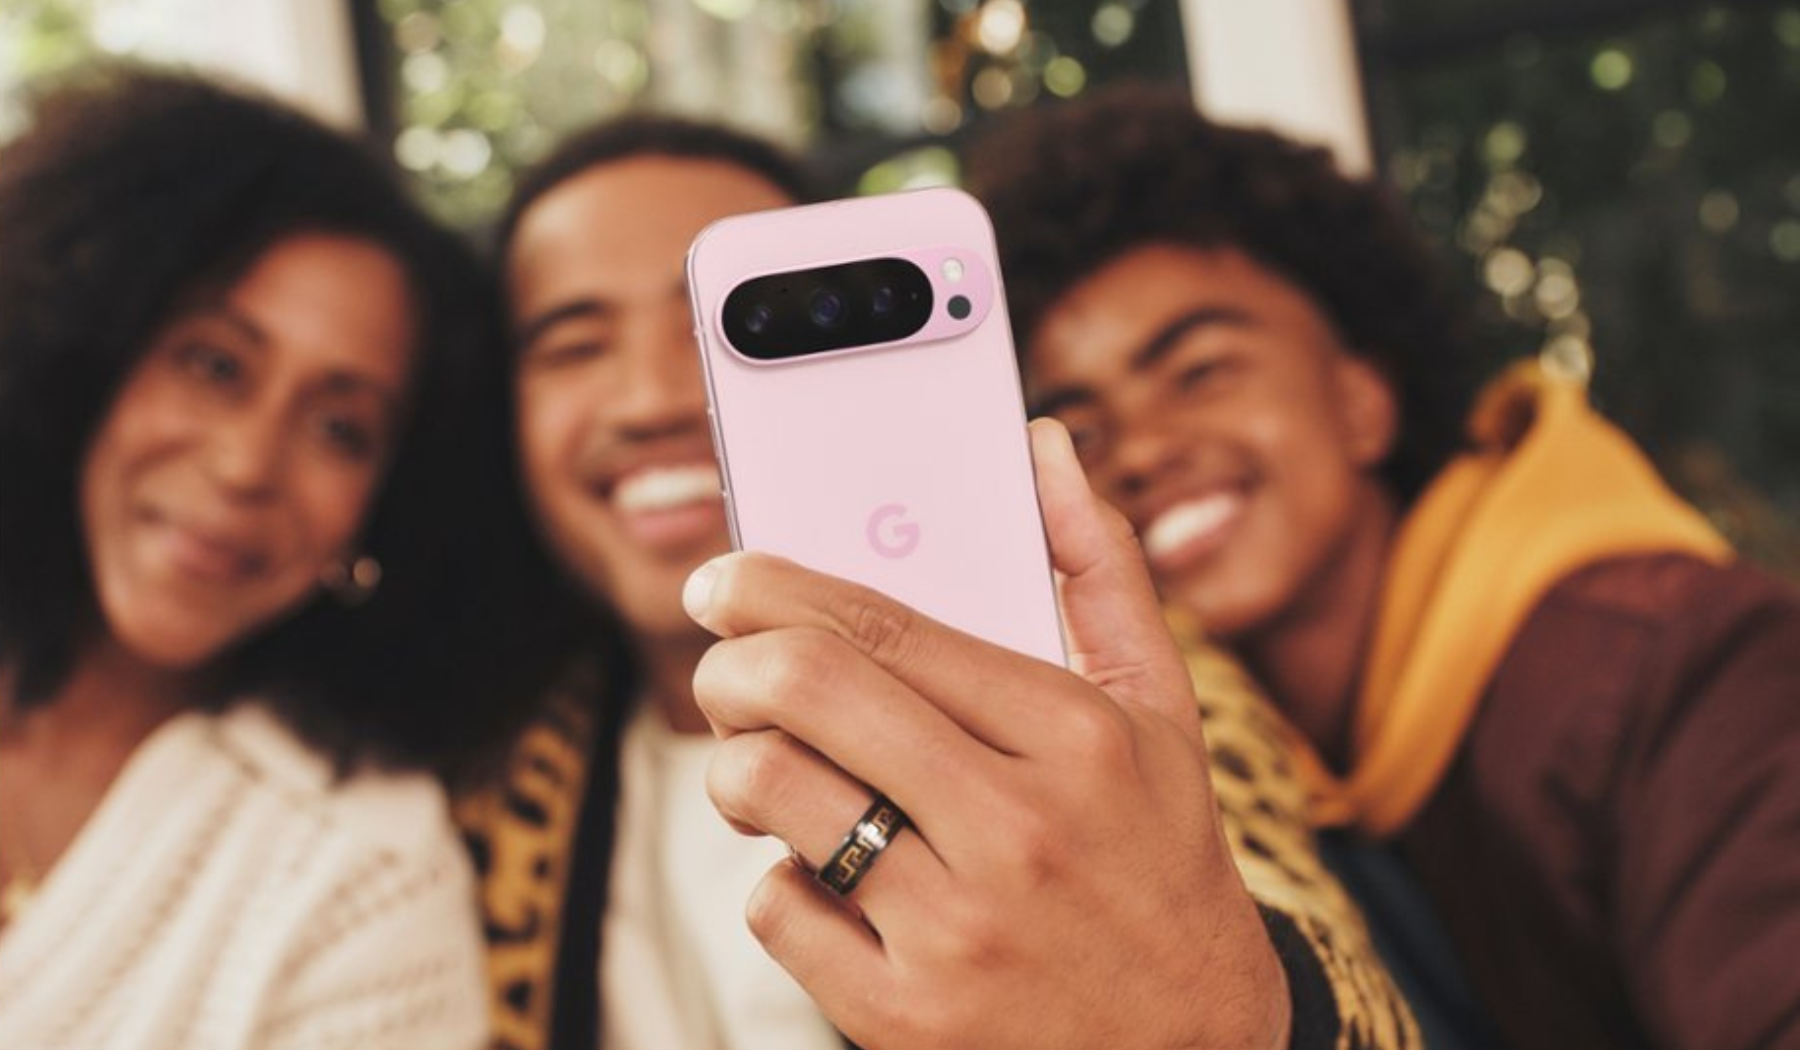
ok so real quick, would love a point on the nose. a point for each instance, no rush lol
(662, 386)
(1143, 450)
(247, 452)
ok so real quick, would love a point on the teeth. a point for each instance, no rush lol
(1184, 521)
(664, 488)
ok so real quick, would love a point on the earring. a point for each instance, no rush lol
(352, 582)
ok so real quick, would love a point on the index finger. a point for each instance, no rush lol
(1113, 624)
(990, 691)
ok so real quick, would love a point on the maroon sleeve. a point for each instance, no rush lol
(1705, 901)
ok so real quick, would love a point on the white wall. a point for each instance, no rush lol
(1288, 64)
(301, 50)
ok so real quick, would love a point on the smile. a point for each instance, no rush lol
(207, 555)
(1191, 529)
(671, 506)
(664, 488)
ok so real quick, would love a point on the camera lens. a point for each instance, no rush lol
(827, 308)
(882, 302)
(757, 320)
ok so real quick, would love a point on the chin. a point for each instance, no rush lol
(665, 626)
(1225, 616)
(182, 637)
(173, 652)
(651, 608)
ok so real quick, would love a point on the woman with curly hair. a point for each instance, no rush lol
(245, 560)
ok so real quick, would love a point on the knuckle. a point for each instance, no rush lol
(725, 777)
(977, 938)
(1100, 738)
(760, 764)
(748, 773)
(937, 1020)
(1117, 525)
(797, 662)
(887, 633)
(1036, 848)
(769, 913)
(719, 670)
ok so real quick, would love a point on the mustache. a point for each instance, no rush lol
(609, 452)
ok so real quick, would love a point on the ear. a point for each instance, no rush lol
(1368, 409)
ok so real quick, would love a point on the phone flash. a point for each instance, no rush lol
(953, 270)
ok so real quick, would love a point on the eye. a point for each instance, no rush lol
(210, 364)
(561, 354)
(1197, 374)
(1209, 376)
(347, 435)
(1088, 437)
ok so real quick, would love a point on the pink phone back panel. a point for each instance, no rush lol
(905, 467)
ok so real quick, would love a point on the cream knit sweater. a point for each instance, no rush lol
(228, 894)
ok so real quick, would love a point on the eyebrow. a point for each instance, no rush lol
(573, 309)
(222, 310)
(1154, 349)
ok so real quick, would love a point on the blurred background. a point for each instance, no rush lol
(1617, 181)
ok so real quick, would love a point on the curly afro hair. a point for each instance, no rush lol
(132, 190)
(1072, 187)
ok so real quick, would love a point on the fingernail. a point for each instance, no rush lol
(696, 593)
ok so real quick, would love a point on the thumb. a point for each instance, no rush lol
(1111, 616)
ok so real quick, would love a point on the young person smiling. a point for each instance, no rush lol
(1520, 665)
(242, 466)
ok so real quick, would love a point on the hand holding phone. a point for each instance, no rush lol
(1065, 880)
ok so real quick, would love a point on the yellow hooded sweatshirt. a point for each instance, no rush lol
(1549, 487)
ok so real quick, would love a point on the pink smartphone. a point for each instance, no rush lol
(866, 408)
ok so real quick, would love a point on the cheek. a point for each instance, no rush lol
(132, 441)
(555, 423)
(102, 481)
(1311, 460)
(103, 515)
(1294, 415)
(551, 421)
(1317, 497)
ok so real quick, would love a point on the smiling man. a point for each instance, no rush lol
(613, 438)
(619, 477)
(1531, 679)
(614, 894)
(1239, 436)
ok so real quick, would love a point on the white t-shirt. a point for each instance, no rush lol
(679, 968)
(227, 894)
